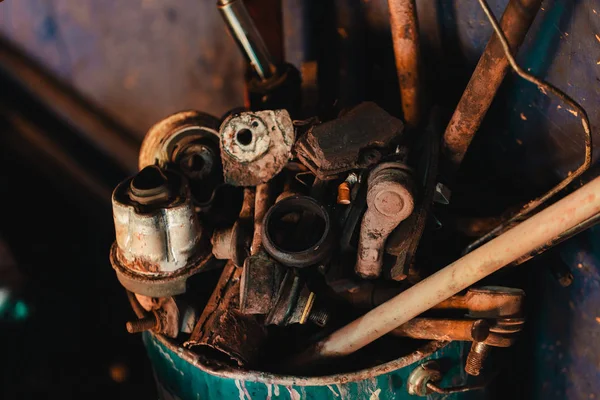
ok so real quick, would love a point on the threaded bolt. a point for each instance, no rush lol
(141, 325)
(475, 359)
(319, 317)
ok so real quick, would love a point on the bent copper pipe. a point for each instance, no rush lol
(525, 237)
(405, 38)
(485, 81)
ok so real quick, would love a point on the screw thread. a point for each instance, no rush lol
(319, 317)
(141, 325)
(476, 357)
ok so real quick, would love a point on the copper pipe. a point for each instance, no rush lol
(560, 217)
(485, 81)
(405, 37)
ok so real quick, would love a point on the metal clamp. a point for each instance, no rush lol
(424, 380)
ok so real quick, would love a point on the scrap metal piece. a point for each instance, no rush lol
(234, 243)
(405, 37)
(242, 28)
(255, 146)
(159, 241)
(403, 242)
(295, 304)
(163, 320)
(223, 328)
(485, 82)
(187, 141)
(263, 202)
(311, 245)
(428, 372)
(166, 141)
(389, 202)
(344, 195)
(460, 329)
(357, 139)
(489, 258)
(261, 280)
(487, 302)
(477, 356)
(424, 380)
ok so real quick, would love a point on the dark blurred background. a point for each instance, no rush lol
(81, 82)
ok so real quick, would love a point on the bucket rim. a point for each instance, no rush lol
(286, 380)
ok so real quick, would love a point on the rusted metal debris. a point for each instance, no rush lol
(261, 279)
(501, 251)
(494, 317)
(325, 207)
(223, 328)
(389, 202)
(358, 139)
(234, 243)
(255, 146)
(485, 81)
(159, 241)
(405, 37)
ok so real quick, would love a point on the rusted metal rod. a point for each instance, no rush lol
(574, 108)
(485, 81)
(263, 203)
(506, 248)
(405, 37)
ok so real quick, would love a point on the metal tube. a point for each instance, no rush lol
(510, 246)
(485, 81)
(405, 37)
(248, 38)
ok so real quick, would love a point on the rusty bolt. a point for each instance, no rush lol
(142, 324)
(475, 359)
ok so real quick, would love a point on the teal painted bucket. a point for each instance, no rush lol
(181, 375)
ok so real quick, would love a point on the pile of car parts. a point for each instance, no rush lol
(298, 221)
(314, 227)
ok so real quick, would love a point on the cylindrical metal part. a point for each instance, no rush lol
(157, 231)
(476, 358)
(437, 329)
(261, 206)
(523, 238)
(312, 216)
(246, 35)
(222, 328)
(486, 80)
(405, 37)
(343, 196)
(141, 325)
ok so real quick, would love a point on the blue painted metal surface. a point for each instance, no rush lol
(567, 331)
(178, 378)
